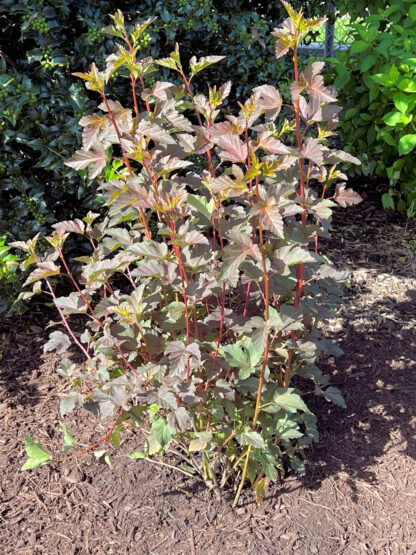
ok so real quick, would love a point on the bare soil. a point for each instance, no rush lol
(359, 493)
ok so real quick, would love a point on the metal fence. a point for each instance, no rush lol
(333, 37)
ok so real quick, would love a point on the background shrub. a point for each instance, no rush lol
(377, 83)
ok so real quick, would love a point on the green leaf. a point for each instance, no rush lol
(202, 63)
(250, 437)
(260, 487)
(382, 79)
(394, 74)
(407, 85)
(69, 441)
(412, 13)
(36, 453)
(350, 113)
(162, 432)
(203, 205)
(368, 62)
(286, 399)
(401, 101)
(246, 360)
(267, 461)
(201, 441)
(104, 456)
(359, 46)
(137, 455)
(334, 395)
(167, 62)
(394, 118)
(387, 200)
(140, 28)
(407, 143)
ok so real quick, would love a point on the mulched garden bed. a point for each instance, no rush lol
(359, 493)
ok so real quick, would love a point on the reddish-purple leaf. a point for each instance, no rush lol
(236, 253)
(94, 159)
(221, 128)
(71, 226)
(269, 100)
(158, 91)
(311, 80)
(284, 42)
(346, 197)
(44, 270)
(336, 156)
(179, 355)
(233, 149)
(194, 238)
(122, 116)
(266, 141)
(313, 150)
(58, 341)
(270, 215)
(154, 132)
(92, 126)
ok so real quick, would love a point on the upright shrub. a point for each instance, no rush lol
(204, 285)
(377, 83)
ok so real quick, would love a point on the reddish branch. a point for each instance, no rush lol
(126, 160)
(105, 438)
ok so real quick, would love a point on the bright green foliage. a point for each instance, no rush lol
(9, 280)
(377, 83)
(204, 282)
(36, 453)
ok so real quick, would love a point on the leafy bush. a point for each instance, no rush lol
(203, 286)
(377, 83)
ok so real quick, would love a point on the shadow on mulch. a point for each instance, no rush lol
(377, 375)
(21, 346)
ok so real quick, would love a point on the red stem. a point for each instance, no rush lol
(107, 436)
(300, 271)
(126, 160)
(65, 323)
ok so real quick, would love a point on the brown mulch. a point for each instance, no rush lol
(359, 493)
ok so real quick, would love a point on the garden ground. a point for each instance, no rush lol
(359, 492)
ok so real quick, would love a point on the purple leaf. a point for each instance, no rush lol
(266, 141)
(71, 226)
(346, 197)
(311, 80)
(44, 270)
(270, 215)
(179, 355)
(313, 150)
(58, 341)
(269, 100)
(234, 150)
(94, 159)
